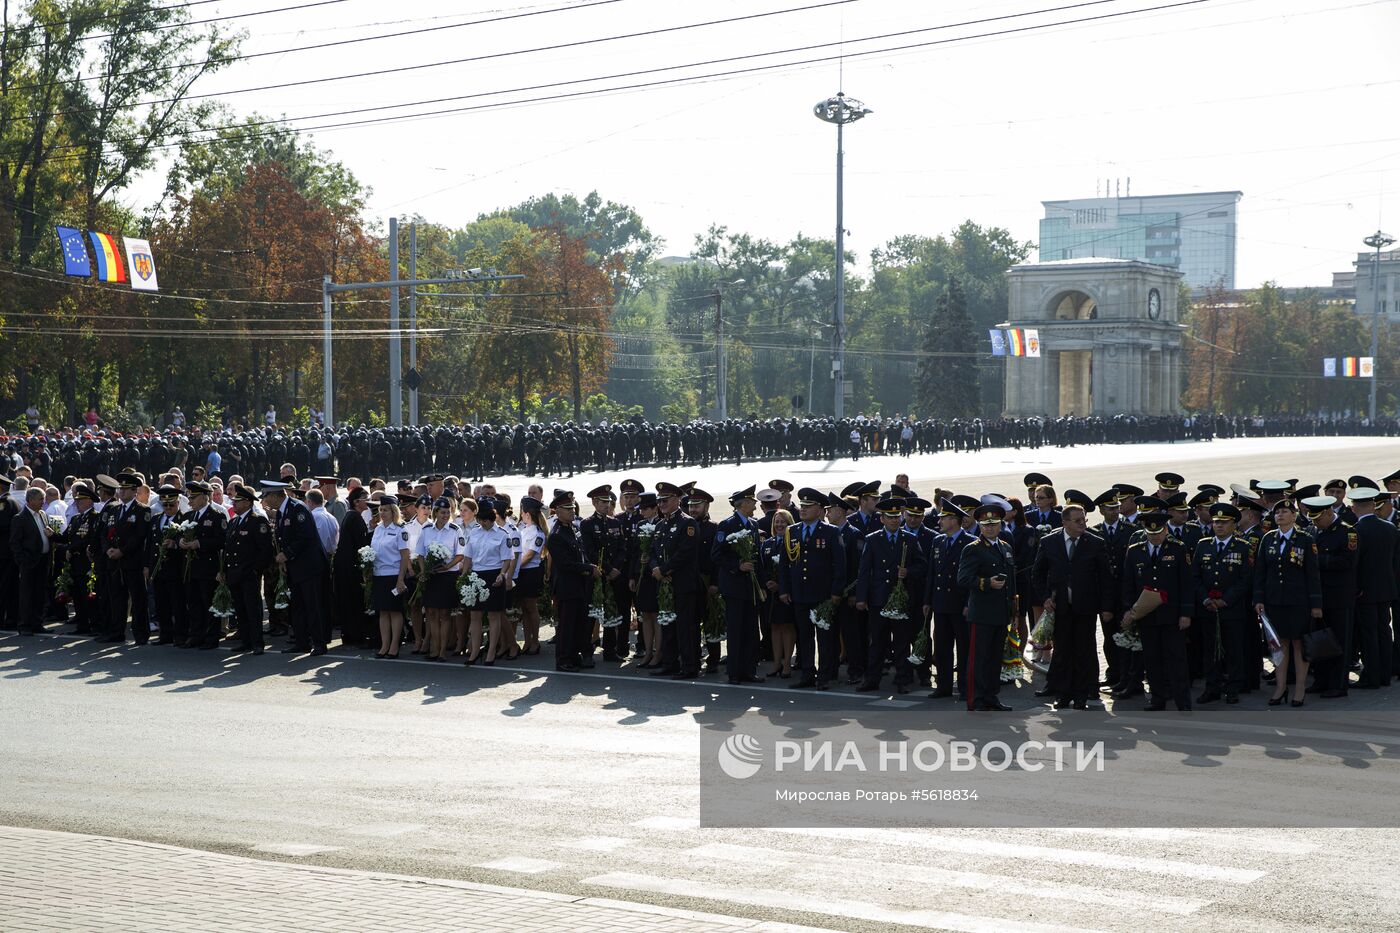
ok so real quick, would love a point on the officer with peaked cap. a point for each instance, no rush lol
(164, 570)
(852, 623)
(1223, 570)
(248, 555)
(945, 601)
(739, 574)
(1337, 551)
(1378, 550)
(1288, 590)
(811, 571)
(1117, 534)
(300, 554)
(675, 558)
(988, 573)
(201, 550)
(124, 541)
(891, 554)
(1157, 591)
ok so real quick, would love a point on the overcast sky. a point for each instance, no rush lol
(1293, 102)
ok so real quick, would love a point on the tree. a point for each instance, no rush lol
(948, 386)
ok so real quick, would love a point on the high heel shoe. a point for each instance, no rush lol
(1295, 703)
(1276, 701)
(380, 654)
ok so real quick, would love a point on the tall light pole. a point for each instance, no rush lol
(395, 353)
(840, 110)
(721, 358)
(1377, 241)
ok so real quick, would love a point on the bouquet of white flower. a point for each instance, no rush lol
(282, 594)
(922, 646)
(173, 532)
(366, 555)
(222, 606)
(55, 524)
(1043, 635)
(602, 608)
(436, 558)
(665, 603)
(473, 589)
(713, 628)
(1127, 636)
(897, 607)
(745, 544)
(825, 613)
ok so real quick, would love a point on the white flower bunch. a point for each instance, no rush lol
(612, 621)
(736, 537)
(180, 528)
(474, 591)
(596, 614)
(437, 553)
(819, 622)
(55, 524)
(665, 618)
(893, 612)
(366, 554)
(646, 531)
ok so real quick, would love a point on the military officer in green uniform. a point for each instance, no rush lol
(1224, 574)
(987, 572)
(1157, 589)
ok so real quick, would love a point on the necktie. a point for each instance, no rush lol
(1073, 543)
(1152, 553)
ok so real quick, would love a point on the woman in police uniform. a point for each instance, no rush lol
(1288, 588)
(440, 590)
(390, 544)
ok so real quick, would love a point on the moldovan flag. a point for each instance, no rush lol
(1018, 341)
(1032, 342)
(1329, 367)
(998, 342)
(1368, 367)
(1348, 366)
(142, 263)
(109, 258)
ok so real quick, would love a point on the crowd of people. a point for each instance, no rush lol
(945, 592)
(496, 449)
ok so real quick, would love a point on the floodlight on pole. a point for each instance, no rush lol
(840, 110)
(1377, 241)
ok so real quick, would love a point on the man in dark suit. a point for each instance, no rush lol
(164, 572)
(9, 570)
(301, 556)
(892, 554)
(987, 572)
(740, 584)
(1157, 591)
(347, 572)
(32, 546)
(945, 601)
(201, 551)
(78, 537)
(1223, 569)
(248, 554)
(1071, 569)
(812, 570)
(125, 525)
(572, 584)
(1376, 572)
(675, 557)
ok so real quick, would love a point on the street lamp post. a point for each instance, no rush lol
(721, 358)
(1377, 241)
(840, 110)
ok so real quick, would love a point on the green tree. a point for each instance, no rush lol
(948, 385)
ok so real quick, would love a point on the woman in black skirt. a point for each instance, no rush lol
(645, 586)
(782, 622)
(1288, 589)
(529, 579)
(390, 544)
(442, 545)
(492, 558)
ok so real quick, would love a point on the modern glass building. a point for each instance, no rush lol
(1193, 233)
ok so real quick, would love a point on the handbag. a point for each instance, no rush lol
(1320, 645)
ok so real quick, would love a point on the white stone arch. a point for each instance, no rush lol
(1078, 301)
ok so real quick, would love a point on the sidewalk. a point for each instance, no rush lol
(54, 881)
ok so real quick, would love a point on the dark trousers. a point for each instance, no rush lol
(277, 619)
(172, 608)
(884, 633)
(9, 591)
(1074, 665)
(741, 631)
(205, 630)
(128, 599)
(349, 602)
(985, 646)
(1164, 654)
(615, 638)
(855, 636)
(248, 611)
(1114, 655)
(808, 641)
(573, 631)
(1373, 640)
(1331, 674)
(305, 611)
(950, 634)
(33, 585)
(1225, 660)
(680, 641)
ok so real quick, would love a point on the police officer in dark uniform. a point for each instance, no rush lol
(891, 554)
(1223, 568)
(987, 571)
(165, 571)
(1116, 534)
(1287, 587)
(572, 577)
(203, 552)
(946, 602)
(855, 637)
(1337, 548)
(675, 556)
(812, 570)
(1378, 552)
(126, 524)
(78, 538)
(300, 554)
(9, 570)
(696, 503)
(741, 583)
(248, 555)
(1157, 590)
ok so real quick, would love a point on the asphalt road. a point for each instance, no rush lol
(588, 784)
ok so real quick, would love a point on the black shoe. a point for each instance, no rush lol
(734, 681)
(1129, 692)
(588, 664)
(567, 668)
(1044, 692)
(866, 686)
(1209, 696)
(1295, 703)
(823, 685)
(996, 706)
(1333, 694)
(292, 650)
(1063, 703)
(610, 656)
(318, 651)
(750, 680)
(901, 689)
(940, 694)
(664, 672)
(1232, 698)
(1154, 707)
(802, 684)
(257, 651)
(206, 647)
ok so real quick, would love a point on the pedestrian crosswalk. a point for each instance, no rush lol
(975, 881)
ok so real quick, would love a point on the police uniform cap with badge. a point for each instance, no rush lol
(601, 493)
(1032, 480)
(742, 495)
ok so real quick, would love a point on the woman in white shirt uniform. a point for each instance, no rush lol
(466, 520)
(493, 560)
(529, 578)
(440, 592)
(390, 544)
(417, 515)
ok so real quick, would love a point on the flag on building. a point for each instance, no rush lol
(998, 341)
(108, 256)
(1017, 341)
(1349, 366)
(75, 255)
(1032, 342)
(141, 263)
(1329, 367)
(1368, 367)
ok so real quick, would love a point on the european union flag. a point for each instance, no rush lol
(75, 254)
(998, 341)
